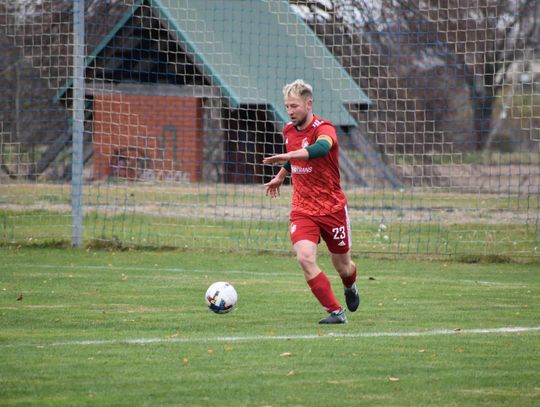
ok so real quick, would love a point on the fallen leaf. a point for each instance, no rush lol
(185, 361)
(290, 373)
(286, 354)
(124, 277)
(19, 297)
(460, 350)
(210, 351)
(421, 350)
(393, 379)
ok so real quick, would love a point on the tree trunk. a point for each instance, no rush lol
(483, 109)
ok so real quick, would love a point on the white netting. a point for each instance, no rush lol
(437, 106)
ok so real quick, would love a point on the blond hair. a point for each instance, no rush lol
(298, 88)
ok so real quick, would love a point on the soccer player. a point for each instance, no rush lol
(319, 206)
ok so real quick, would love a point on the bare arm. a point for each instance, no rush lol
(319, 149)
(301, 154)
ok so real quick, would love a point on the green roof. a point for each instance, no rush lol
(251, 48)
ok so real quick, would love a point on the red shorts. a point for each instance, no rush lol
(335, 229)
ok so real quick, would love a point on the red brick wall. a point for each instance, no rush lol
(150, 137)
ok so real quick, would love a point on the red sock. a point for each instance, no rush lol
(322, 290)
(349, 280)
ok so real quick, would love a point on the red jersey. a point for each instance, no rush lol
(316, 183)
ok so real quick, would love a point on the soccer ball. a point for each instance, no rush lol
(221, 297)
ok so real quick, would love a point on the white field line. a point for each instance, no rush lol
(149, 341)
(150, 268)
(292, 273)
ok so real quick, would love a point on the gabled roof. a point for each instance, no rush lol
(251, 48)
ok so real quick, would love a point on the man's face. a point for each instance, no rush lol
(298, 109)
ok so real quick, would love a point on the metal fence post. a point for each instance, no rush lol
(78, 123)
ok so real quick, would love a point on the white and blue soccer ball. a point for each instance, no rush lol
(221, 297)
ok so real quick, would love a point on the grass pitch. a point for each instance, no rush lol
(105, 328)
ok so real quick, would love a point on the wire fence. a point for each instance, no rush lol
(145, 122)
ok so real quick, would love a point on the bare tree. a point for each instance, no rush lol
(474, 42)
(483, 38)
(35, 62)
